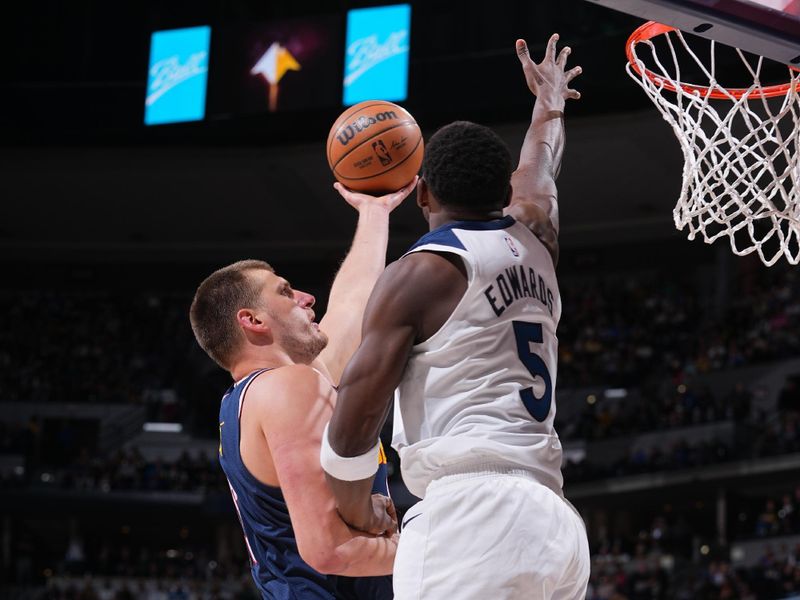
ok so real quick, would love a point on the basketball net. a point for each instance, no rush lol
(741, 176)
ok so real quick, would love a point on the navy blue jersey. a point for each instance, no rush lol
(278, 570)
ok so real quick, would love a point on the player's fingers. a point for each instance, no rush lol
(390, 517)
(377, 531)
(391, 510)
(383, 526)
(522, 50)
(532, 74)
(397, 197)
(573, 73)
(550, 54)
(354, 199)
(346, 193)
(573, 94)
(390, 528)
(524, 56)
(562, 56)
(409, 188)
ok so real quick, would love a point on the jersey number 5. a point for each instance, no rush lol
(525, 334)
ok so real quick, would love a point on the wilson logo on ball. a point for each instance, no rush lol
(362, 123)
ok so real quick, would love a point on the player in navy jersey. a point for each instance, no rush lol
(463, 329)
(286, 367)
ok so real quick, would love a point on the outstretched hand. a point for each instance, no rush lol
(548, 80)
(389, 201)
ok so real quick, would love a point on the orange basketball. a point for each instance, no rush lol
(375, 147)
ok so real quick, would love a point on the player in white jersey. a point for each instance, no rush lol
(464, 327)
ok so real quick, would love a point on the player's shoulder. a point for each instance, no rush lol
(423, 261)
(430, 269)
(289, 388)
(412, 284)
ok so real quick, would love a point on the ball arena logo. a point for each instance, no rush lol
(367, 52)
(170, 72)
(360, 124)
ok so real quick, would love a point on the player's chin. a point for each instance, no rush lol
(318, 342)
(322, 339)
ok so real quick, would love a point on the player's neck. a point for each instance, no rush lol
(449, 215)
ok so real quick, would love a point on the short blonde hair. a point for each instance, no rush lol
(217, 300)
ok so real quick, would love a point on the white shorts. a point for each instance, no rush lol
(491, 535)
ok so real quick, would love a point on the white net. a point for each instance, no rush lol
(741, 176)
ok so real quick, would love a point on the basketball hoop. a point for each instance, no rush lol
(741, 176)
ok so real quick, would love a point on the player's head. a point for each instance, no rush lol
(245, 307)
(467, 166)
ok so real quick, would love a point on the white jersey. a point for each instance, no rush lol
(481, 390)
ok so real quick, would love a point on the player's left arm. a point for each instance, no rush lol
(534, 200)
(357, 276)
(292, 406)
(392, 323)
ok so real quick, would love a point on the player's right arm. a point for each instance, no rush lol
(357, 276)
(292, 406)
(534, 200)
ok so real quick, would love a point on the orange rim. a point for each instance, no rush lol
(651, 29)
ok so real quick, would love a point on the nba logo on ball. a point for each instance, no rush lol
(383, 154)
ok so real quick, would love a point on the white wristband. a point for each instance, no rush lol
(352, 468)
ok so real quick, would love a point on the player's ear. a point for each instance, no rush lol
(423, 193)
(251, 321)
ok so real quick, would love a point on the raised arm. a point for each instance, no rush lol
(357, 276)
(534, 200)
(294, 404)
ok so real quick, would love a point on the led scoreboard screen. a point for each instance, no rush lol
(281, 65)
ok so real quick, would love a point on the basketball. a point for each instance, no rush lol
(375, 147)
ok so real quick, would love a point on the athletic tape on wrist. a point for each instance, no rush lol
(348, 468)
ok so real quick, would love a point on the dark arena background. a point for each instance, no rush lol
(679, 371)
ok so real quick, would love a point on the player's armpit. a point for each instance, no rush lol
(535, 217)
(293, 406)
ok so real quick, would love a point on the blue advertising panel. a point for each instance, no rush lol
(376, 54)
(176, 82)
